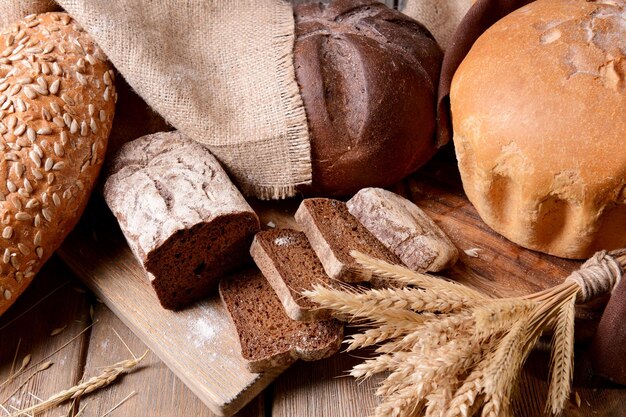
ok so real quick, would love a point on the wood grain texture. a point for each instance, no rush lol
(60, 304)
(199, 344)
(591, 395)
(158, 391)
(324, 388)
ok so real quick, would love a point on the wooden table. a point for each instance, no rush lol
(57, 300)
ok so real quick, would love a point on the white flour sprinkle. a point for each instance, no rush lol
(283, 241)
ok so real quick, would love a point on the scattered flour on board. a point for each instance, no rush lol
(201, 332)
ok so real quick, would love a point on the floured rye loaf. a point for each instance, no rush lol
(181, 215)
(268, 337)
(404, 229)
(334, 233)
(291, 266)
(57, 100)
(538, 107)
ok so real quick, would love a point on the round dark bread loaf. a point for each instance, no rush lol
(368, 78)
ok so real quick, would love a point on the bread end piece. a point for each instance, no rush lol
(404, 229)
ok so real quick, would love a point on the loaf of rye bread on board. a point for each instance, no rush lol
(182, 216)
(57, 100)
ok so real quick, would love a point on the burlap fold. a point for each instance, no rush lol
(12, 10)
(441, 17)
(221, 72)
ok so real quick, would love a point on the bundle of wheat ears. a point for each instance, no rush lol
(452, 351)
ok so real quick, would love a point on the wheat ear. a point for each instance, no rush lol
(110, 374)
(442, 286)
(352, 305)
(377, 335)
(562, 357)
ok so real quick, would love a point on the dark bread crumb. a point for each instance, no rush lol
(291, 266)
(190, 263)
(334, 233)
(268, 337)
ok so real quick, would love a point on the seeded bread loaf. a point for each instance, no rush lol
(538, 108)
(334, 233)
(368, 77)
(404, 229)
(181, 215)
(291, 266)
(268, 337)
(57, 101)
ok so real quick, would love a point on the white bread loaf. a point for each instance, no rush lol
(57, 102)
(539, 116)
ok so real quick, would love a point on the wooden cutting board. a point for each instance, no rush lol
(200, 344)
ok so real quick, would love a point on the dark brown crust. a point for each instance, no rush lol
(267, 336)
(368, 77)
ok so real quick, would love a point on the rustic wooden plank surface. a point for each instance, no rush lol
(324, 389)
(60, 304)
(97, 252)
(158, 391)
(306, 390)
(199, 344)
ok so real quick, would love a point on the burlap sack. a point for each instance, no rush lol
(220, 71)
(12, 10)
(441, 17)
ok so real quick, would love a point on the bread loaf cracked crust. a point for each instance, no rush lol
(368, 77)
(538, 110)
(57, 101)
(181, 215)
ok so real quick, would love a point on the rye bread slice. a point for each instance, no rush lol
(291, 266)
(267, 336)
(333, 233)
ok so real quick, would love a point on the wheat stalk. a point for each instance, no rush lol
(451, 351)
(445, 288)
(562, 358)
(108, 375)
(357, 305)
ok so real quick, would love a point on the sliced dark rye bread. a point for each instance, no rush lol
(333, 233)
(291, 266)
(267, 336)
